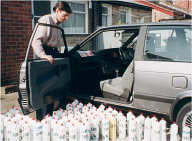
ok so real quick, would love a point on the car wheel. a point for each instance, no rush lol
(184, 117)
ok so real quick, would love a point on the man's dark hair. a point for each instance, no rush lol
(62, 5)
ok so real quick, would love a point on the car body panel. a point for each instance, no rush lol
(180, 97)
(160, 78)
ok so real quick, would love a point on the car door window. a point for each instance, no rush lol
(106, 40)
(168, 43)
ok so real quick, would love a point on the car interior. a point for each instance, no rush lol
(108, 71)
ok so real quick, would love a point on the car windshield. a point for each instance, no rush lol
(169, 43)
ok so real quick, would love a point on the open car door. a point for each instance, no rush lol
(41, 82)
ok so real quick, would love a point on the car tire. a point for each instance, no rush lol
(184, 117)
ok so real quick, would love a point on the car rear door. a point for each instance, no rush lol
(41, 82)
(165, 68)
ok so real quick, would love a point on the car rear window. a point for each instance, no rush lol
(168, 43)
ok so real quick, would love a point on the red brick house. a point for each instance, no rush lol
(169, 9)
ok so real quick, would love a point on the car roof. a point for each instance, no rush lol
(162, 23)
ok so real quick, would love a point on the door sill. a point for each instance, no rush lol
(112, 102)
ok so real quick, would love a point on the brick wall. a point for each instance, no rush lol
(184, 4)
(16, 27)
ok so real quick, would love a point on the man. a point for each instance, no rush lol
(47, 42)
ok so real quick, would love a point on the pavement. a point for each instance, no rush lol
(9, 100)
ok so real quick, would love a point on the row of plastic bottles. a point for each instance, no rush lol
(86, 123)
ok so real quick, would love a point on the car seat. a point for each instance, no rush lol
(119, 86)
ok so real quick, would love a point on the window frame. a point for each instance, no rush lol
(109, 15)
(37, 16)
(160, 58)
(123, 10)
(79, 12)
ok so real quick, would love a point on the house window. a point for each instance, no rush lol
(136, 19)
(40, 8)
(123, 18)
(106, 15)
(77, 22)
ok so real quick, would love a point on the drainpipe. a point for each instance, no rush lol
(92, 16)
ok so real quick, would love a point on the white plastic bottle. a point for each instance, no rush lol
(53, 123)
(56, 131)
(94, 129)
(89, 105)
(140, 120)
(75, 103)
(115, 113)
(122, 127)
(84, 132)
(105, 129)
(156, 131)
(14, 132)
(26, 132)
(132, 130)
(153, 120)
(8, 128)
(186, 133)
(174, 132)
(73, 133)
(130, 115)
(46, 130)
(147, 129)
(32, 122)
(163, 127)
(37, 131)
(1, 127)
(101, 108)
(62, 133)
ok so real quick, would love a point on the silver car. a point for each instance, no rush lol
(143, 66)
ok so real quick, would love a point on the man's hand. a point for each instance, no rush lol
(49, 58)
